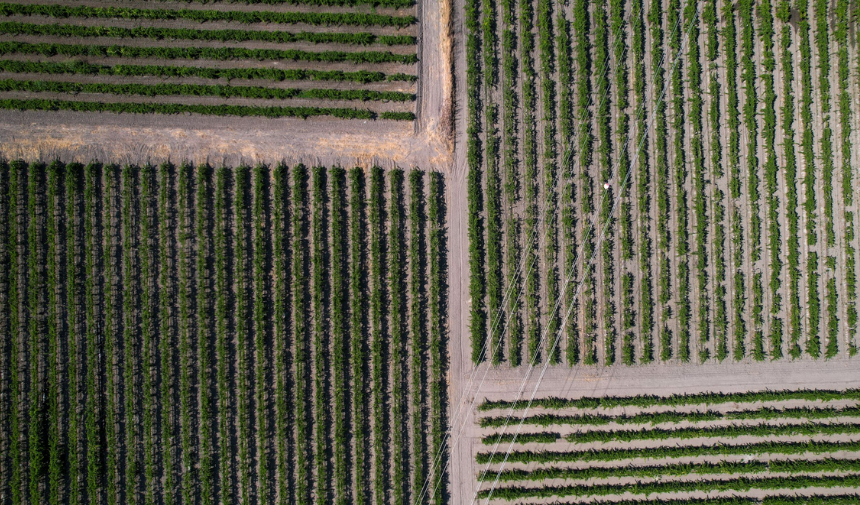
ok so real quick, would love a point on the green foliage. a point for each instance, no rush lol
(494, 287)
(301, 332)
(53, 270)
(398, 333)
(339, 285)
(793, 481)
(521, 438)
(201, 90)
(617, 455)
(262, 302)
(582, 46)
(37, 324)
(112, 266)
(170, 108)
(643, 401)
(223, 267)
(282, 325)
(201, 16)
(378, 291)
(94, 252)
(131, 289)
(273, 74)
(321, 336)
(168, 330)
(345, 3)
(358, 331)
(417, 330)
(477, 288)
(185, 180)
(74, 253)
(550, 172)
(437, 297)
(704, 470)
(147, 212)
(204, 53)
(155, 33)
(654, 418)
(397, 116)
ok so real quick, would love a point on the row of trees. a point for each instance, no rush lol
(273, 74)
(150, 399)
(212, 110)
(813, 412)
(684, 451)
(150, 32)
(643, 401)
(204, 53)
(736, 483)
(704, 470)
(200, 16)
(376, 3)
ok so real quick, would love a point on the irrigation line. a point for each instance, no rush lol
(579, 288)
(504, 303)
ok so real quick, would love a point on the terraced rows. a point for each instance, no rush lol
(350, 59)
(757, 447)
(676, 185)
(190, 335)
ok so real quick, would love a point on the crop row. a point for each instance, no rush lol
(216, 110)
(550, 177)
(150, 32)
(674, 400)
(582, 55)
(272, 74)
(791, 482)
(345, 3)
(566, 72)
(661, 167)
(703, 470)
(625, 219)
(495, 273)
(774, 243)
(841, 36)
(679, 433)
(200, 16)
(677, 417)
(680, 451)
(531, 182)
(201, 90)
(175, 399)
(203, 53)
(477, 288)
(607, 197)
(510, 122)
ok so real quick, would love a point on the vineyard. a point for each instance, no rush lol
(301, 58)
(733, 449)
(181, 334)
(661, 181)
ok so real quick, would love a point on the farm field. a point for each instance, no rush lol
(760, 447)
(661, 181)
(179, 334)
(302, 58)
